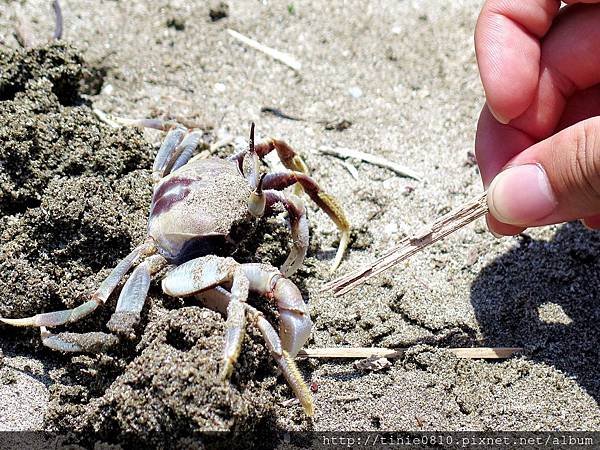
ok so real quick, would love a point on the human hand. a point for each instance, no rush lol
(538, 136)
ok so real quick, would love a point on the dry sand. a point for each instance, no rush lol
(74, 195)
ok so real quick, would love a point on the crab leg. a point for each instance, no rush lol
(204, 273)
(93, 342)
(183, 152)
(325, 201)
(235, 325)
(176, 149)
(208, 272)
(122, 322)
(295, 323)
(218, 299)
(288, 156)
(133, 296)
(299, 178)
(166, 151)
(298, 225)
(56, 318)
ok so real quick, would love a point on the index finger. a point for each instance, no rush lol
(507, 45)
(568, 63)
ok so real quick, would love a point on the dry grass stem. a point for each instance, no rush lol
(58, 20)
(345, 153)
(410, 245)
(391, 353)
(23, 32)
(282, 57)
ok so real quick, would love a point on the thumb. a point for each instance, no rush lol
(553, 181)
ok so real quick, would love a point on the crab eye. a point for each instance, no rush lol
(251, 168)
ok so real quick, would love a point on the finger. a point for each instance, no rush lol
(569, 63)
(489, 133)
(499, 229)
(593, 222)
(580, 106)
(555, 180)
(496, 144)
(507, 45)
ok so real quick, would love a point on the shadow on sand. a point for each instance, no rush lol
(545, 296)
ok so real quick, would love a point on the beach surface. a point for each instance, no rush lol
(394, 79)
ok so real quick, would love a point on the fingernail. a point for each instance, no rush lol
(500, 118)
(521, 195)
(490, 229)
(583, 222)
(496, 235)
(591, 223)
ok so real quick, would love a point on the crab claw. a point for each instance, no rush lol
(257, 201)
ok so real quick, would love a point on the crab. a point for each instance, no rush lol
(197, 205)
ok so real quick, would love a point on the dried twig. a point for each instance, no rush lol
(351, 169)
(58, 18)
(279, 113)
(433, 232)
(391, 353)
(289, 402)
(371, 159)
(23, 33)
(220, 143)
(282, 57)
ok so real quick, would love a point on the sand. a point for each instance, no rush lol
(74, 195)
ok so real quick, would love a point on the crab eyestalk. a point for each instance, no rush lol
(250, 162)
(257, 201)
